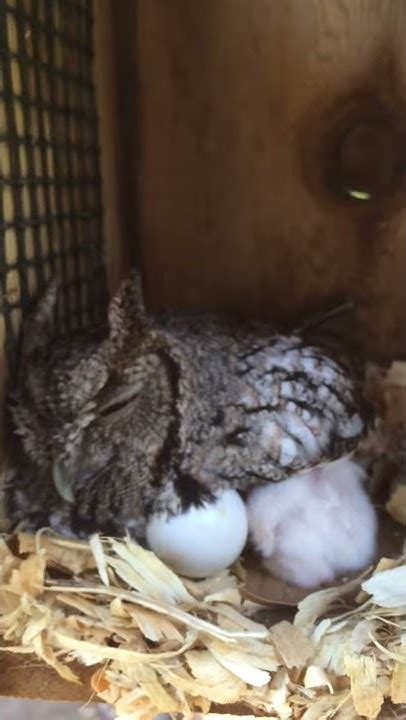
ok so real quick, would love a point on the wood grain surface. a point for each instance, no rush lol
(234, 167)
(117, 242)
(26, 677)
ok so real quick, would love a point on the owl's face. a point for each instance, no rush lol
(123, 428)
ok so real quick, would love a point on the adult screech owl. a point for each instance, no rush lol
(163, 412)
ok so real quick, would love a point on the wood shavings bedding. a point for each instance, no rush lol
(161, 644)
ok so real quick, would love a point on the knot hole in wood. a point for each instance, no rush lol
(370, 163)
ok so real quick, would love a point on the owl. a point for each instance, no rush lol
(158, 414)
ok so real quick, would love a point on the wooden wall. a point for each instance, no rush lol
(243, 121)
(112, 156)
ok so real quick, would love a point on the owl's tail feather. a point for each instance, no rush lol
(127, 316)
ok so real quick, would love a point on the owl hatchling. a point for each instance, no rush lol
(163, 412)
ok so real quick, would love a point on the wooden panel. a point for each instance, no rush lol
(232, 168)
(118, 244)
(26, 677)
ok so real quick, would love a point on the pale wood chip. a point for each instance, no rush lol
(292, 645)
(366, 694)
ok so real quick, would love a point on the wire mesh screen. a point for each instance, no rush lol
(50, 186)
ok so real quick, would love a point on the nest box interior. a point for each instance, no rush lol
(249, 156)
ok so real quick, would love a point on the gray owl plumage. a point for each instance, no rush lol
(162, 412)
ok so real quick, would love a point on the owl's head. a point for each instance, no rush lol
(62, 375)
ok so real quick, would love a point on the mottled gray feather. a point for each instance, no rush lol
(164, 411)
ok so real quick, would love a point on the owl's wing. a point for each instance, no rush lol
(304, 407)
(289, 408)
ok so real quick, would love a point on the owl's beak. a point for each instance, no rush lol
(61, 481)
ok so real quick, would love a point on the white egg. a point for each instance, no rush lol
(202, 541)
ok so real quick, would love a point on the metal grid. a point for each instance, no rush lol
(50, 186)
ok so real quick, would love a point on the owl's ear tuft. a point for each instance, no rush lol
(126, 313)
(39, 327)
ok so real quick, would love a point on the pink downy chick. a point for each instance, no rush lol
(315, 526)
